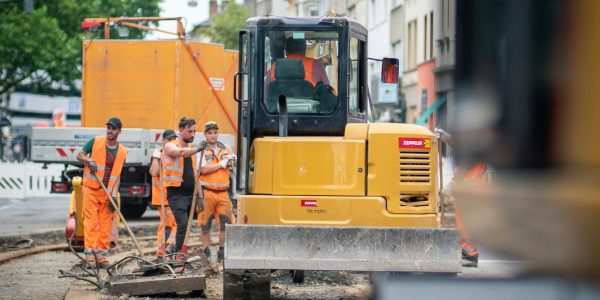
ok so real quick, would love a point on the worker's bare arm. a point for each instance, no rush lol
(173, 151)
(210, 168)
(83, 158)
(154, 167)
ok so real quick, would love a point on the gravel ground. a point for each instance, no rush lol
(317, 285)
(36, 276)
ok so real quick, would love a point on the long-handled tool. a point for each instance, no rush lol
(135, 241)
(163, 213)
(441, 179)
(193, 208)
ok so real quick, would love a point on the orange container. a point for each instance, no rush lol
(152, 84)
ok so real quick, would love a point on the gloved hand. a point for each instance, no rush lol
(93, 166)
(224, 163)
(203, 145)
(231, 157)
(156, 153)
(110, 206)
(440, 132)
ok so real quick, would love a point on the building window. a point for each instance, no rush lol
(425, 39)
(423, 100)
(431, 35)
(411, 56)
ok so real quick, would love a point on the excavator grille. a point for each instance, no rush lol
(415, 166)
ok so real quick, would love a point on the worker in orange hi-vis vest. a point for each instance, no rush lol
(216, 162)
(106, 159)
(314, 71)
(473, 175)
(179, 167)
(58, 118)
(167, 226)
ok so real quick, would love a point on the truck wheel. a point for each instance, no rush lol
(246, 284)
(132, 208)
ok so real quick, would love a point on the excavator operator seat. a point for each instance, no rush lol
(289, 81)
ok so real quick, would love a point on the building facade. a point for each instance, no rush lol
(445, 53)
(418, 57)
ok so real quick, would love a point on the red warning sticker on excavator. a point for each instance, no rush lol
(312, 203)
(414, 143)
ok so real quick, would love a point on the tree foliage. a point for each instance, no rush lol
(227, 24)
(42, 48)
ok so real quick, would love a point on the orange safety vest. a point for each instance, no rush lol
(156, 192)
(219, 179)
(58, 124)
(308, 68)
(476, 175)
(173, 171)
(99, 155)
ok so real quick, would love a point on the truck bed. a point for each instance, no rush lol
(61, 145)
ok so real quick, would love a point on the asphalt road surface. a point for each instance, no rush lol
(35, 215)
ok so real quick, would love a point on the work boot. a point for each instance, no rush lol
(470, 255)
(207, 253)
(170, 249)
(221, 254)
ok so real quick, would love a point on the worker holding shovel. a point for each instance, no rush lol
(103, 158)
(179, 166)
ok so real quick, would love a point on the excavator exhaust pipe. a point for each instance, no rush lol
(342, 248)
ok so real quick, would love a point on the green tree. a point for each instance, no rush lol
(227, 24)
(42, 49)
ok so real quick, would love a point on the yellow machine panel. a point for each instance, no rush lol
(152, 84)
(318, 166)
(402, 167)
(325, 211)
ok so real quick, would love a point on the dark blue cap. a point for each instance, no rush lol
(114, 121)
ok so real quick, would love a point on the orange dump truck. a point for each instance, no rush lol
(149, 85)
(152, 84)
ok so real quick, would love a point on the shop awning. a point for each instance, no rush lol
(423, 118)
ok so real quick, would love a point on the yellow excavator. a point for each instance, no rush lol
(320, 187)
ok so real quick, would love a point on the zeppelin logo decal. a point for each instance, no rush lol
(312, 203)
(414, 143)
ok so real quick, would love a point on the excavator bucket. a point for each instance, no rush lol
(342, 248)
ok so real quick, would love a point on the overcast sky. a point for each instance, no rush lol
(180, 8)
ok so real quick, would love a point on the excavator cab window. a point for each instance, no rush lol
(303, 67)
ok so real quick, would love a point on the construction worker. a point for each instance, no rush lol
(106, 159)
(167, 226)
(214, 178)
(474, 175)
(179, 167)
(58, 118)
(314, 71)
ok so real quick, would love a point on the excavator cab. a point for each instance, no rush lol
(299, 77)
(320, 187)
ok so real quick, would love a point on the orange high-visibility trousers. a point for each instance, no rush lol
(217, 206)
(97, 223)
(169, 222)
